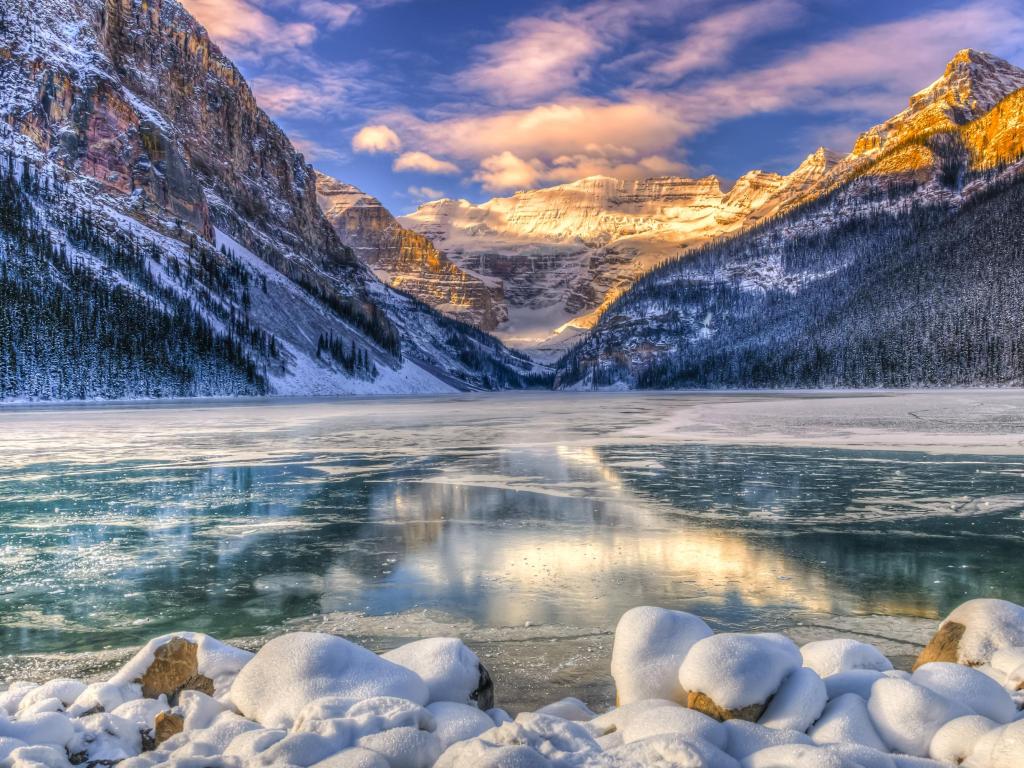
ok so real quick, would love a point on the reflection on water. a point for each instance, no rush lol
(117, 526)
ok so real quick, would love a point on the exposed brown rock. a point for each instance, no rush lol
(405, 259)
(174, 669)
(704, 703)
(168, 724)
(944, 646)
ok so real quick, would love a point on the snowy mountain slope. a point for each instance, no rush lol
(153, 135)
(901, 269)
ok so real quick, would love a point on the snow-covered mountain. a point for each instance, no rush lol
(143, 181)
(900, 266)
(407, 260)
(562, 254)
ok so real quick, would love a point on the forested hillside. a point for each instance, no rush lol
(66, 333)
(925, 295)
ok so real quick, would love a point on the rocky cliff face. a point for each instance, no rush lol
(148, 126)
(407, 260)
(563, 253)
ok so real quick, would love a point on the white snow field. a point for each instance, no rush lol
(688, 698)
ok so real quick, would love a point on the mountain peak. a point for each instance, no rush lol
(819, 161)
(972, 84)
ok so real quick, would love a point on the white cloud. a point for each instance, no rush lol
(376, 138)
(424, 163)
(424, 194)
(710, 41)
(544, 56)
(872, 69)
(506, 171)
(317, 92)
(335, 15)
(244, 30)
(541, 57)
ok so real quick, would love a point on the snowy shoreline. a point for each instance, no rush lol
(687, 697)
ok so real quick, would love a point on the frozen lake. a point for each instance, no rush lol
(525, 523)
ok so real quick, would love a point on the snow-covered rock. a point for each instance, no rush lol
(294, 669)
(858, 681)
(451, 671)
(968, 687)
(570, 708)
(458, 722)
(907, 715)
(999, 748)
(185, 660)
(846, 720)
(955, 741)
(798, 703)
(732, 676)
(747, 738)
(650, 645)
(975, 631)
(832, 657)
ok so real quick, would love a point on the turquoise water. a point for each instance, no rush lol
(118, 524)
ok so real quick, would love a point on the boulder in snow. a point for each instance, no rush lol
(295, 669)
(450, 669)
(831, 657)
(650, 645)
(974, 632)
(732, 676)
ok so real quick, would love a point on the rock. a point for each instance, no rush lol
(296, 669)
(745, 738)
(944, 645)
(168, 724)
(907, 715)
(704, 703)
(450, 669)
(685, 723)
(999, 748)
(831, 657)
(733, 676)
(175, 668)
(458, 722)
(798, 703)
(955, 741)
(968, 687)
(650, 645)
(846, 719)
(974, 632)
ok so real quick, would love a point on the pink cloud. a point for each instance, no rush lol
(238, 25)
(376, 138)
(710, 41)
(424, 163)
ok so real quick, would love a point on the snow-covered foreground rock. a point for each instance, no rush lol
(687, 698)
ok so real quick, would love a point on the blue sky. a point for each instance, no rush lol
(416, 99)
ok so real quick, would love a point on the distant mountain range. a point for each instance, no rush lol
(162, 237)
(562, 254)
